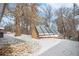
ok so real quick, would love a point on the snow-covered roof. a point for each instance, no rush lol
(77, 28)
(1, 27)
(77, 17)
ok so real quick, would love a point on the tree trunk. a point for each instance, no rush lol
(17, 24)
(34, 32)
(3, 10)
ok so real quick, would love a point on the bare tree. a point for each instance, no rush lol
(47, 14)
(18, 14)
(3, 10)
(64, 22)
(27, 14)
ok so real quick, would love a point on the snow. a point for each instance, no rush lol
(49, 46)
(44, 43)
(77, 17)
(22, 37)
(47, 35)
(65, 48)
(77, 28)
(1, 27)
(26, 38)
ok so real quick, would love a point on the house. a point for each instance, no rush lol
(1, 32)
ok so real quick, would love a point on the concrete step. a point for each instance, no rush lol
(48, 36)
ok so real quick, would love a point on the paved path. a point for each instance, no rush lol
(58, 47)
(64, 48)
(45, 44)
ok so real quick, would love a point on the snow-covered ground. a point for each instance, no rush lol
(9, 38)
(49, 46)
(64, 48)
(22, 37)
(45, 43)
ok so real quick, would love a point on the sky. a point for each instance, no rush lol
(53, 5)
(58, 5)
